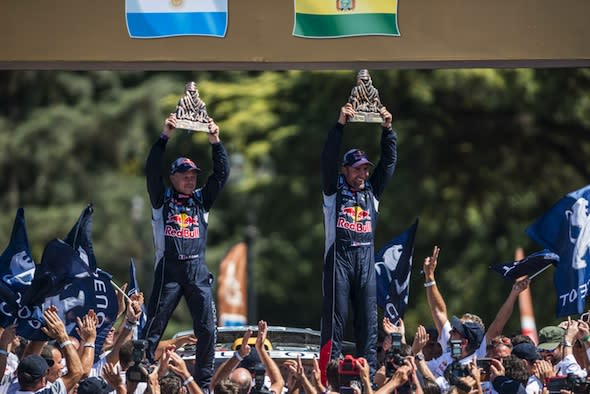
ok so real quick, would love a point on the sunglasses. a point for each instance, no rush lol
(501, 341)
(49, 362)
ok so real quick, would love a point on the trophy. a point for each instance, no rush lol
(365, 101)
(191, 113)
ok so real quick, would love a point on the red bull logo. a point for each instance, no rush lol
(356, 213)
(182, 226)
(361, 219)
(182, 220)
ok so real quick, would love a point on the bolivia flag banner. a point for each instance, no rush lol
(345, 18)
(168, 18)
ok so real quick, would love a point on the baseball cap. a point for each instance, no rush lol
(526, 351)
(550, 337)
(469, 330)
(33, 366)
(94, 385)
(183, 164)
(355, 158)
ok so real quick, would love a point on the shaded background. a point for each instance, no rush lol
(481, 154)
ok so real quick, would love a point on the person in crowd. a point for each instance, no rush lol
(468, 330)
(33, 371)
(499, 347)
(94, 385)
(8, 359)
(297, 379)
(502, 383)
(555, 346)
(350, 205)
(174, 370)
(237, 375)
(179, 219)
(118, 337)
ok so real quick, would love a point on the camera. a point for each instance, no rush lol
(140, 369)
(454, 372)
(259, 373)
(484, 364)
(348, 370)
(455, 348)
(570, 382)
(393, 357)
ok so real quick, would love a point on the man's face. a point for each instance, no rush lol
(553, 356)
(54, 371)
(500, 351)
(356, 176)
(184, 182)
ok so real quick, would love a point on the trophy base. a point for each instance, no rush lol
(192, 125)
(366, 117)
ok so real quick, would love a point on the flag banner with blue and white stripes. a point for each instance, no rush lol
(169, 18)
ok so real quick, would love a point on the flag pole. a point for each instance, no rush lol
(525, 304)
(121, 291)
(537, 273)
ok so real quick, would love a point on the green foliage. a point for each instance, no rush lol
(481, 154)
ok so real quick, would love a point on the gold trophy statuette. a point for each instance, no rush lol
(191, 113)
(365, 101)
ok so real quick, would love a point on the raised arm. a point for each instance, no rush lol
(153, 165)
(55, 329)
(272, 369)
(388, 159)
(217, 179)
(225, 369)
(330, 162)
(87, 331)
(124, 333)
(505, 310)
(437, 305)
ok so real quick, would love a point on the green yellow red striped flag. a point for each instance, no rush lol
(345, 18)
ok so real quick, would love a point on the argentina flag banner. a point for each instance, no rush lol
(565, 230)
(170, 18)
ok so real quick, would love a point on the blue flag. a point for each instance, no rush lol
(80, 237)
(16, 270)
(565, 230)
(393, 266)
(530, 265)
(60, 266)
(134, 289)
(74, 299)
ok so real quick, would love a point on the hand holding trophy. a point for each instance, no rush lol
(364, 98)
(191, 113)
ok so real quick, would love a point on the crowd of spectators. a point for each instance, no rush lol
(456, 355)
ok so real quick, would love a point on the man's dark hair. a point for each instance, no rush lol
(126, 353)
(47, 352)
(516, 369)
(518, 339)
(430, 387)
(332, 375)
(226, 386)
(170, 384)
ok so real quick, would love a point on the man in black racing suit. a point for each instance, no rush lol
(179, 220)
(350, 205)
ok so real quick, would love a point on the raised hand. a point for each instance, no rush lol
(430, 264)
